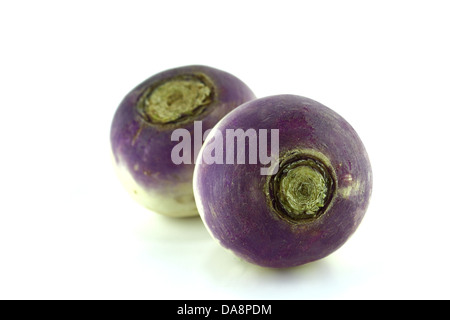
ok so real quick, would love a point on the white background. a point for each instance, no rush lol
(68, 230)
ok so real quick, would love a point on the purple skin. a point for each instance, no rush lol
(141, 132)
(243, 209)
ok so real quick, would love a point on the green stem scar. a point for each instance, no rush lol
(302, 188)
(176, 99)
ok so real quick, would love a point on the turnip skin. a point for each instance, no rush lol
(234, 203)
(142, 149)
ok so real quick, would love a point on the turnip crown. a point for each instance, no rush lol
(176, 99)
(302, 188)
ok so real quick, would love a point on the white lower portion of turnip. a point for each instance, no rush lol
(176, 201)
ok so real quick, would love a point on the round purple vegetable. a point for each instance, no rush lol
(142, 128)
(301, 207)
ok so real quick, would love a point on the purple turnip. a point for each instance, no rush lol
(141, 132)
(306, 204)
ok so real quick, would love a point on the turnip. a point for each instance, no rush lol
(141, 132)
(308, 202)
